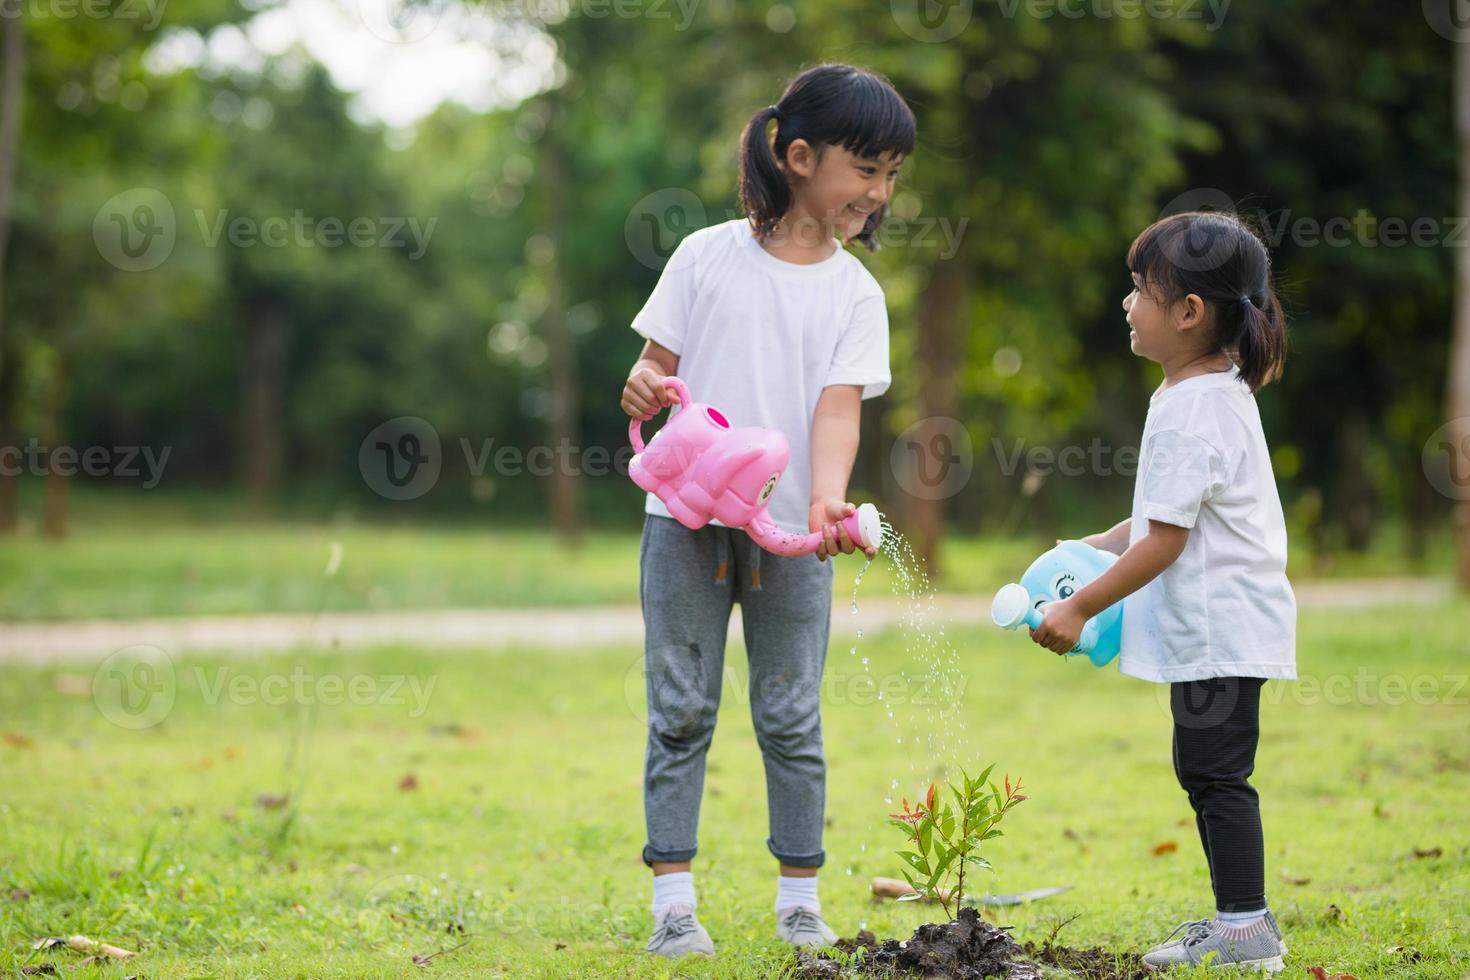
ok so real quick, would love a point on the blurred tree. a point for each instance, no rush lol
(1457, 400)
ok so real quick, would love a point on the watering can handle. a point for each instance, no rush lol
(681, 395)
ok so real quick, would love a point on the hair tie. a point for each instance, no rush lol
(1246, 300)
(775, 110)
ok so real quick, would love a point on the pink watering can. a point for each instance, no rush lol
(701, 468)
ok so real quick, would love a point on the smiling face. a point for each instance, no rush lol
(838, 188)
(1160, 331)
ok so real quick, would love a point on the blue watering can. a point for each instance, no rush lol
(1056, 575)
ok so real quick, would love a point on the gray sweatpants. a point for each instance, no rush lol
(688, 581)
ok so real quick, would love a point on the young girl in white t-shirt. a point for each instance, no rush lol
(769, 319)
(1203, 557)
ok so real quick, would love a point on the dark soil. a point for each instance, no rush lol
(968, 948)
(1094, 963)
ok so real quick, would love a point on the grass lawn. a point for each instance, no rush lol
(152, 555)
(523, 820)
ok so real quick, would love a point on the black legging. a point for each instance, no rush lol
(1216, 727)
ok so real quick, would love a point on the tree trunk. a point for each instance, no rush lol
(941, 324)
(56, 499)
(263, 406)
(564, 486)
(12, 91)
(1457, 394)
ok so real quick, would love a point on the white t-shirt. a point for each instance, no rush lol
(759, 338)
(1224, 608)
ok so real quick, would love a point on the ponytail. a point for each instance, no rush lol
(1260, 347)
(764, 193)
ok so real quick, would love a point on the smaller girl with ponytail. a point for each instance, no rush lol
(770, 318)
(1203, 557)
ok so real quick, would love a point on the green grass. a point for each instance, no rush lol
(170, 568)
(526, 822)
(153, 555)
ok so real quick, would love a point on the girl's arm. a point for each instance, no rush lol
(834, 448)
(644, 394)
(1115, 539)
(1138, 566)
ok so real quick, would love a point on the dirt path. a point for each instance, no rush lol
(564, 628)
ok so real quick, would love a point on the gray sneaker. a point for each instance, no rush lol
(1261, 951)
(804, 927)
(1190, 928)
(678, 933)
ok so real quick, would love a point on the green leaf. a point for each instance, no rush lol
(915, 862)
(926, 837)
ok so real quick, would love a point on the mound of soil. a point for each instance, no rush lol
(968, 948)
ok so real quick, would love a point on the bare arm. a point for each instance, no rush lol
(645, 395)
(835, 432)
(1114, 539)
(1137, 566)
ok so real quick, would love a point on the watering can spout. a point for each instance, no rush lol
(864, 526)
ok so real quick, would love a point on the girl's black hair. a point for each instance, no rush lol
(1216, 257)
(829, 105)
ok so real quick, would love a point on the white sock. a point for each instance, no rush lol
(675, 888)
(1239, 925)
(791, 892)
